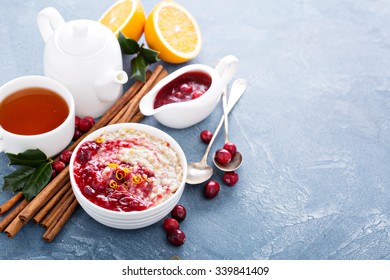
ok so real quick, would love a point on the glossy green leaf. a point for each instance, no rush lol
(37, 181)
(128, 46)
(138, 68)
(151, 56)
(17, 180)
(33, 174)
(33, 158)
(143, 56)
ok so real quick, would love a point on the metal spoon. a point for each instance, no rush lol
(236, 161)
(199, 172)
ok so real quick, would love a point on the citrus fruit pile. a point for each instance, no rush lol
(169, 29)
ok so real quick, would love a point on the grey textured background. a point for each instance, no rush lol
(313, 126)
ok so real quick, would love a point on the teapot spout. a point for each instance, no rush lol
(108, 83)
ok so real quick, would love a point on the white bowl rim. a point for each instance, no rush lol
(34, 81)
(137, 126)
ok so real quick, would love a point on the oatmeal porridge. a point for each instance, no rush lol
(127, 170)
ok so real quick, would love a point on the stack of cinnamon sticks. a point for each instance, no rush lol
(54, 205)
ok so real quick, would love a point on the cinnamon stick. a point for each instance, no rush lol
(44, 195)
(56, 209)
(10, 203)
(49, 205)
(124, 108)
(55, 228)
(137, 117)
(14, 227)
(59, 210)
(133, 110)
(5, 222)
(130, 111)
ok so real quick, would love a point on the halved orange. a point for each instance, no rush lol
(126, 16)
(171, 30)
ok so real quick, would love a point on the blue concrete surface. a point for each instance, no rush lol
(313, 127)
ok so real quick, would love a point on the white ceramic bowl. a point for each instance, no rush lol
(133, 219)
(51, 142)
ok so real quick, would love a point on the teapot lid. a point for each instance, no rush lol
(81, 38)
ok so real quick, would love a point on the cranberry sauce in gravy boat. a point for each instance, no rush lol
(190, 94)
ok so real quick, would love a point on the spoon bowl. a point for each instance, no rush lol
(234, 164)
(198, 172)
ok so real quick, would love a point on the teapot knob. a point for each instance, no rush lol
(49, 19)
(80, 31)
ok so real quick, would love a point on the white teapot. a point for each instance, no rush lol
(85, 56)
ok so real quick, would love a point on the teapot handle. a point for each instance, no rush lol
(227, 68)
(49, 19)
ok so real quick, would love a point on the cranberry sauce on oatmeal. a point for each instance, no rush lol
(127, 170)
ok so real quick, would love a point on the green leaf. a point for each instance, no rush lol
(34, 173)
(17, 180)
(37, 181)
(138, 68)
(128, 46)
(32, 158)
(151, 56)
(143, 56)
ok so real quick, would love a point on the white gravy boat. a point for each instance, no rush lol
(188, 113)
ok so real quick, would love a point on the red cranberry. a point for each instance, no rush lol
(179, 212)
(185, 88)
(77, 121)
(77, 134)
(88, 190)
(197, 93)
(230, 178)
(91, 119)
(53, 173)
(231, 147)
(65, 156)
(223, 156)
(206, 136)
(85, 124)
(178, 94)
(176, 237)
(58, 166)
(211, 189)
(170, 224)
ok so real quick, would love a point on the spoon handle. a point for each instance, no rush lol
(237, 90)
(225, 113)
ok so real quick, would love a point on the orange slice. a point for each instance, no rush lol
(126, 16)
(172, 31)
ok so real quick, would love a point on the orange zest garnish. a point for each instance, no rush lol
(145, 177)
(120, 174)
(113, 184)
(137, 179)
(99, 140)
